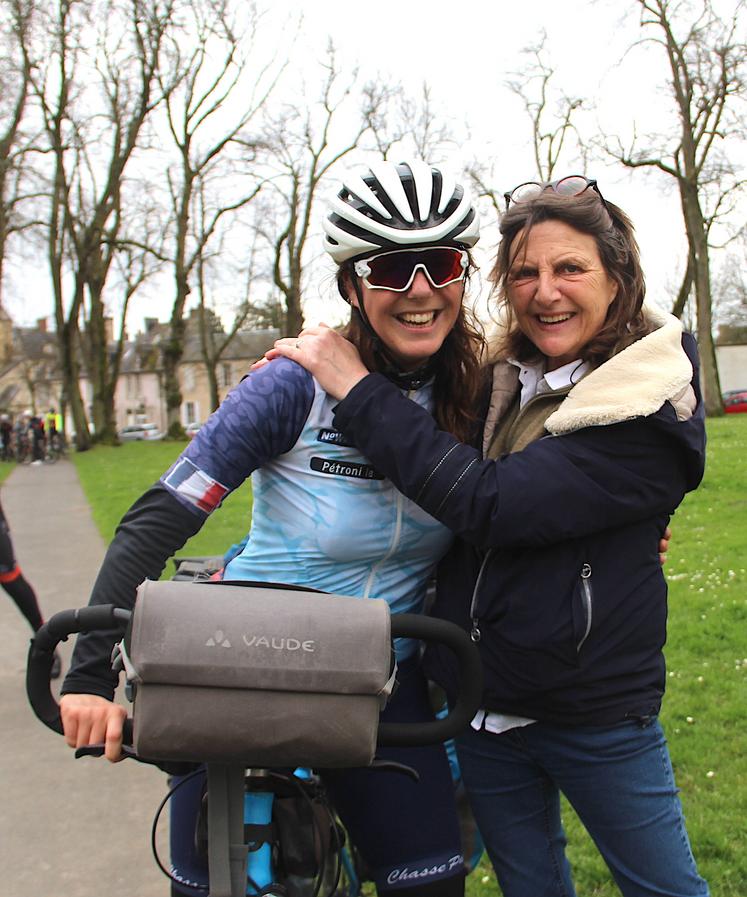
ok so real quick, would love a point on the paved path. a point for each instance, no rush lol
(79, 828)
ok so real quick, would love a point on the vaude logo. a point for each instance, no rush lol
(279, 643)
(276, 643)
(218, 640)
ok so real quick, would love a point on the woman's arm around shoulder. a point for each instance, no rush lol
(556, 488)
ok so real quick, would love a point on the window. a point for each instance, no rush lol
(190, 415)
(226, 374)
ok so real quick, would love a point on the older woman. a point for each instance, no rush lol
(593, 435)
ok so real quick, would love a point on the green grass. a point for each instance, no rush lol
(704, 708)
(113, 477)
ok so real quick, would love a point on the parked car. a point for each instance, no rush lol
(140, 432)
(192, 428)
(735, 403)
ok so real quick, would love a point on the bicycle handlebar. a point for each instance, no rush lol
(106, 616)
(41, 655)
(429, 629)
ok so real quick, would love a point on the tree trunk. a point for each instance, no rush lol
(697, 233)
(293, 313)
(213, 384)
(71, 385)
(103, 379)
(714, 403)
(684, 292)
(172, 356)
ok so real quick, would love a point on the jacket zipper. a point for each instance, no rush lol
(475, 633)
(587, 599)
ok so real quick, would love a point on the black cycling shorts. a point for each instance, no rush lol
(8, 567)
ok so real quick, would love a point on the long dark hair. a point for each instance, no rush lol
(618, 251)
(458, 373)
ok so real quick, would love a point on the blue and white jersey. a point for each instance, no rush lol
(323, 516)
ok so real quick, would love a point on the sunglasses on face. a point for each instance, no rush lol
(396, 270)
(572, 185)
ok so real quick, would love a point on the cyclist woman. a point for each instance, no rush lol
(323, 516)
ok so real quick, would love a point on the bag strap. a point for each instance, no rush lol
(226, 850)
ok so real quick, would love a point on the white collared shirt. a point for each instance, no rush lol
(535, 380)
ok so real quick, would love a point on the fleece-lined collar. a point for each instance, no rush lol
(634, 383)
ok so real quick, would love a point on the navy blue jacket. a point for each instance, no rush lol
(556, 565)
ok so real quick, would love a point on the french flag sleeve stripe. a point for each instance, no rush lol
(194, 486)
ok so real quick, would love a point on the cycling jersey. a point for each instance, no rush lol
(323, 516)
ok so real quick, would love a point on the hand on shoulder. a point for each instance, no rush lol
(333, 360)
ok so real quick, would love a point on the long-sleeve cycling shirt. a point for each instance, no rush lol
(323, 516)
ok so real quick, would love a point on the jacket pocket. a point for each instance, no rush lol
(583, 607)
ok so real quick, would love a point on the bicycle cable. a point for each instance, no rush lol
(154, 830)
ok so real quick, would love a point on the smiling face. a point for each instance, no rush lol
(558, 290)
(413, 324)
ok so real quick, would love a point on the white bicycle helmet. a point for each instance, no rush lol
(398, 206)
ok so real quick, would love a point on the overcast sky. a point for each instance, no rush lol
(466, 53)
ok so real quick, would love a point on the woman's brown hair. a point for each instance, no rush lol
(618, 251)
(458, 373)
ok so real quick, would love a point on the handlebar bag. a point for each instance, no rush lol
(263, 676)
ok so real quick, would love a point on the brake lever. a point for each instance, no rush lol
(97, 750)
(172, 768)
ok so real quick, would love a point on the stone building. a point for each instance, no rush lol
(30, 375)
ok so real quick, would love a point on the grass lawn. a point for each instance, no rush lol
(113, 477)
(6, 469)
(704, 709)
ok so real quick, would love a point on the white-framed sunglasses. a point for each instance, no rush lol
(395, 270)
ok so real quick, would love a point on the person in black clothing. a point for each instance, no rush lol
(19, 588)
(6, 437)
(36, 428)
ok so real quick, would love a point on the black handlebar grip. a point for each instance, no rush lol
(43, 704)
(470, 682)
(41, 653)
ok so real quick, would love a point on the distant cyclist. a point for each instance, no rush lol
(22, 436)
(36, 431)
(323, 516)
(19, 588)
(52, 427)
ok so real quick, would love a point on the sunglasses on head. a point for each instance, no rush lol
(572, 185)
(396, 270)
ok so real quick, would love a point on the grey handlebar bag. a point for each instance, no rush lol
(260, 676)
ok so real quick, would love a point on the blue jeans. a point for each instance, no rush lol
(619, 780)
